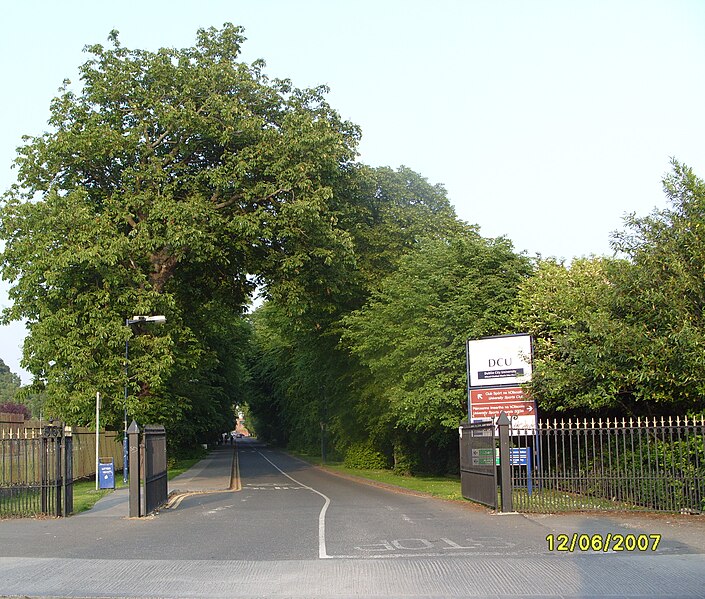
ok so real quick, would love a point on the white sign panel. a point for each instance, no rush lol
(498, 361)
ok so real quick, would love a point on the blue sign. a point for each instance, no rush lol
(106, 475)
(521, 456)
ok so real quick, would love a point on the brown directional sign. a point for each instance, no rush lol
(490, 403)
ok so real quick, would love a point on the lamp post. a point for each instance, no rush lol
(128, 323)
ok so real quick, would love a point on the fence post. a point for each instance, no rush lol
(505, 470)
(135, 468)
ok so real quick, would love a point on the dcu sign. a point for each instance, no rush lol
(497, 369)
(499, 361)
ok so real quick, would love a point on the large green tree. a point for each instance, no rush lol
(171, 182)
(662, 298)
(583, 359)
(410, 337)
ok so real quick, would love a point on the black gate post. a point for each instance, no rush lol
(505, 469)
(51, 469)
(135, 468)
(57, 473)
(67, 471)
(44, 471)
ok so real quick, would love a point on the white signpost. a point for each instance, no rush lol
(497, 367)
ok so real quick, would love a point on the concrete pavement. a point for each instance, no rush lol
(295, 531)
(215, 473)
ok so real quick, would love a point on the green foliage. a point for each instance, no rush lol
(580, 350)
(661, 298)
(387, 214)
(304, 384)
(625, 335)
(411, 333)
(171, 183)
(9, 383)
(362, 455)
(668, 472)
(406, 458)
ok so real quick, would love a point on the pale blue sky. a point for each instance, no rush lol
(546, 121)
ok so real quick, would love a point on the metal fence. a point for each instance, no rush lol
(649, 464)
(147, 462)
(155, 470)
(36, 475)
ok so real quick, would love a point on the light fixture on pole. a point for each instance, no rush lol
(128, 323)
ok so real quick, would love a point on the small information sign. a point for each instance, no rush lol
(106, 474)
(483, 456)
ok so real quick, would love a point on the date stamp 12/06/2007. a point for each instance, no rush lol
(602, 543)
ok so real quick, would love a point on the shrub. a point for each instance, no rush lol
(364, 456)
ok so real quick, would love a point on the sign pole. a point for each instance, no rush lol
(97, 437)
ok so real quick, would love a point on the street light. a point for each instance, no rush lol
(128, 323)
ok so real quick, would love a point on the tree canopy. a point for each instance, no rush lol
(171, 183)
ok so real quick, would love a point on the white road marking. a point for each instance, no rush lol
(322, 554)
(216, 510)
(385, 548)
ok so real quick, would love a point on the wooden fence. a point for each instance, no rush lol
(83, 450)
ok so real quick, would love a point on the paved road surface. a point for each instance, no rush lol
(291, 530)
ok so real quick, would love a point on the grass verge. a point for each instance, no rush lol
(443, 487)
(85, 494)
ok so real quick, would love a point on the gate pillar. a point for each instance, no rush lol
(135, 468)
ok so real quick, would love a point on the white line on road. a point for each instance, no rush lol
(321, 517)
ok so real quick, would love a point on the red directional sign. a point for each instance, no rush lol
(501, 394)
(491, 410)
(490, 403)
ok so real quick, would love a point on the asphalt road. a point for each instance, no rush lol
(292, 530)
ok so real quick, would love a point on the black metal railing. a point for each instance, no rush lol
(648, 464)
(36, 474)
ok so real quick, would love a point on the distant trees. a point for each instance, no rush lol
(382, 375)
(9, 384)
(307, 385)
